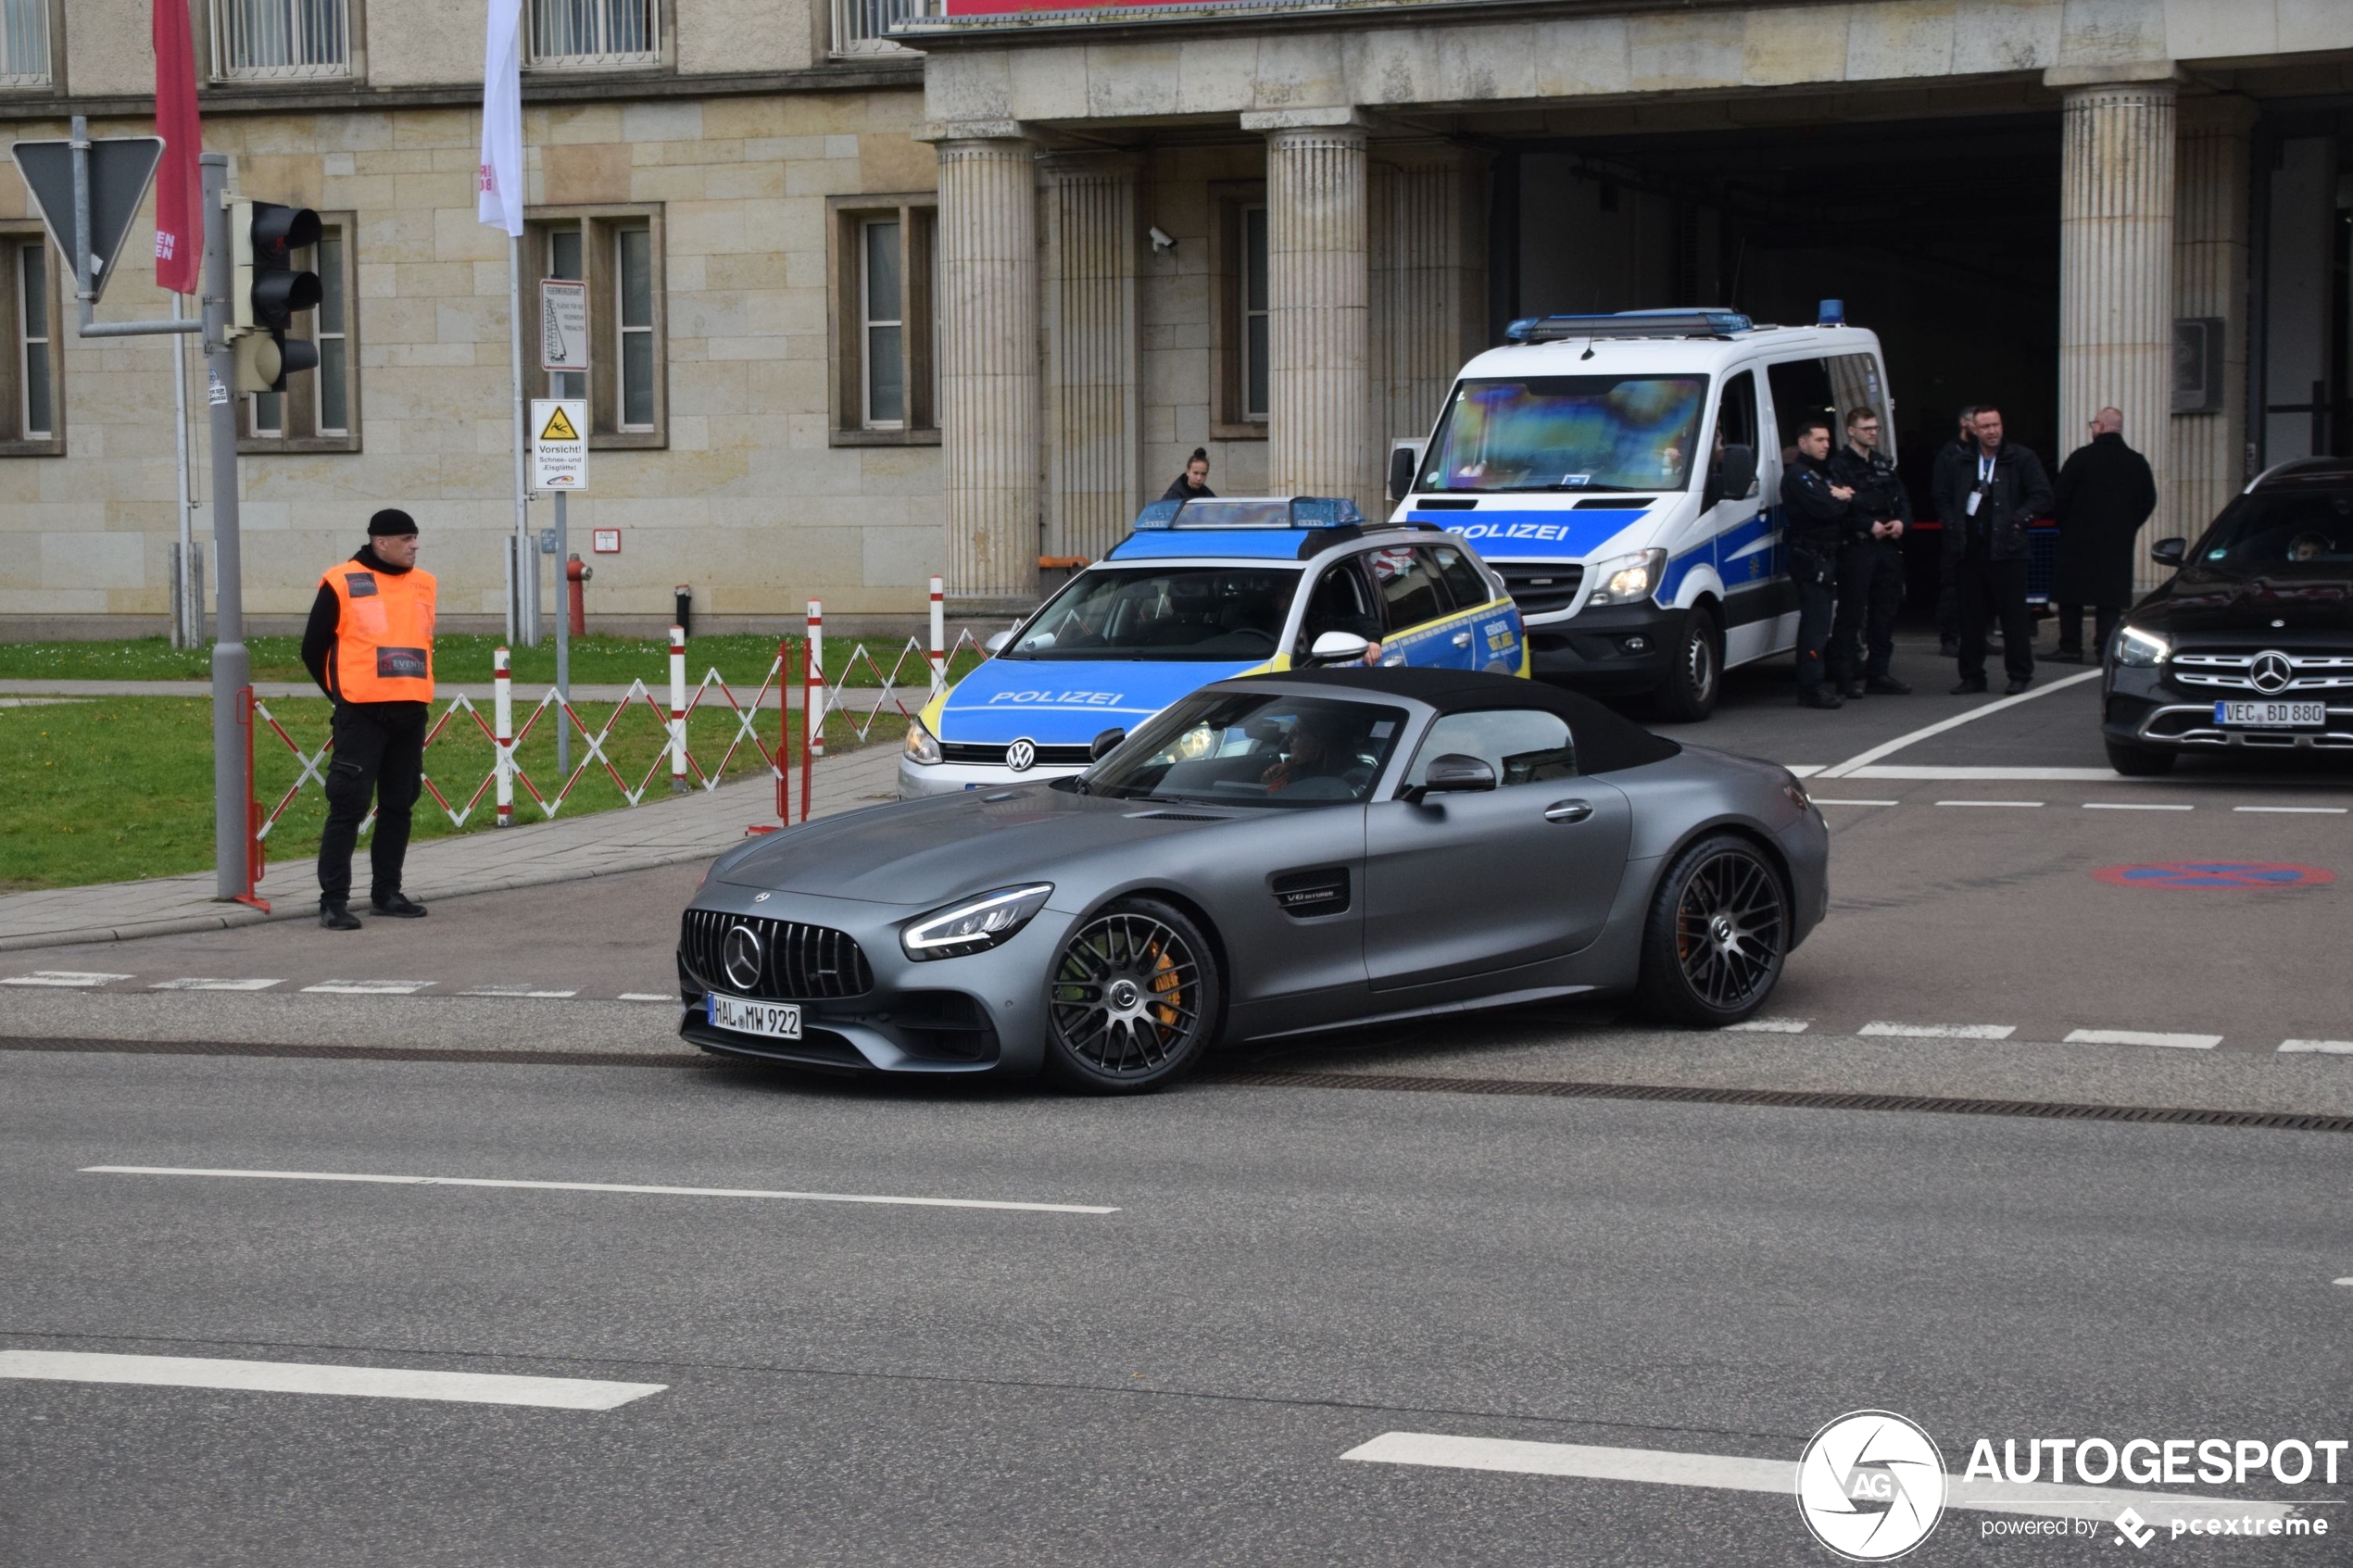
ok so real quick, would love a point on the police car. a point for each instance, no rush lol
(1200, 592)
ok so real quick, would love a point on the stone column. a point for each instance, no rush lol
(2208, 462)
(988, 394)
(2116, 267)
(1428, 283)
(1094, 421)
(1319, 435)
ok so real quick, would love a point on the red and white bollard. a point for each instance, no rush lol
(813, 705)
(502, 733)
(938, 638)
(678, 709)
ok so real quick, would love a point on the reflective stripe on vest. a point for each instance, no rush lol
(383, 634)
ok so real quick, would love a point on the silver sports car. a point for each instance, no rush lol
(1276, 855)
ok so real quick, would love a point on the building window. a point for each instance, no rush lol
(862, 27)
(1242, 364)
(32, 407)
(590, 34)
(885, 342)
(617, 252)
(280, 40)
(1255, 373)
(319, 409)
(25, 34)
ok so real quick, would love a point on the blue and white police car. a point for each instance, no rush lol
(1623, 474)
(1202, 591)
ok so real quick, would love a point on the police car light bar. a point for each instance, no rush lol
(1254, 511)
(1630, 324)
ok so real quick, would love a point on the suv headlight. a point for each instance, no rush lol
(975, 925)
(2138, 648)
(1629, 579)
(922, 746)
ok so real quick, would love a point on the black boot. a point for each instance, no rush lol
(399, 905)
(335, 915)
(1819, 697)
(1850, 690)
(1887, 685)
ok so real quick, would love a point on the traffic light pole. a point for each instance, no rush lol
(231, 667)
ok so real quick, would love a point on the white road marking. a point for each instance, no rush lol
(2141, 1038)
(2020, 805)
(2348, 1280)
(306, 1377)
(1773, 1025)
(646, 997)
(1803, 769)
(1889, 749)
(2326, 1047)
(1820, 801)
(1778, 1478)
(2295, 811)
(75, 979)
(193, 983)
(1939, 1031)
(514, 991)
(602, 1187)
(2135, 806)
(370, 987)
(1962, 772)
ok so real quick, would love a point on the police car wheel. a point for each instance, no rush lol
(1696, 674)
(1133, 1000)
(1716, 935)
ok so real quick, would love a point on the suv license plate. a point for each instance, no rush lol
(777, 1021)
(2272, 715)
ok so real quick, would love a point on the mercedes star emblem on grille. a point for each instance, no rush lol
(740, 958)
(1021, 756)
(2271, 672)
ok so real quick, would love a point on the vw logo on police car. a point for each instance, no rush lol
(740, 956)
(2271, 671)
(1021, 756)
(1871, 1485)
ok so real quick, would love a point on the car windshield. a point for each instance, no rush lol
(1171, 612)
(1567, 433)
(2281, 533)
(1250, 748)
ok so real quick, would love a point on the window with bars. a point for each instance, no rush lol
(319, 409)
(31, 402)
(587, 34)
(885, 331)
(25, 34)
(281, 40)
(617, 252)
(862, 27)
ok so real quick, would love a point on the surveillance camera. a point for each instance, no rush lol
(1160, 240)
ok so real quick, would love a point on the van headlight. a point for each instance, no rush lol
(2143, 649)
(975, 925)
(922, 746)
(1629, 579)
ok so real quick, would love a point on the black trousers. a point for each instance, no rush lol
(1816, 583)
(2070, 626)
(1995, 588)
(380, 752)
(1871, 592)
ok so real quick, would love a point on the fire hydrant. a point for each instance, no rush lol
(577, 572)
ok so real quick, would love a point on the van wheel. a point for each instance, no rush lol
(1696, 673)
(2139, 761)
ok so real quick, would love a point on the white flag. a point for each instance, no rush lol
(499, 201)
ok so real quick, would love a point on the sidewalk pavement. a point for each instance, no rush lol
(526, 695)
(662, 832)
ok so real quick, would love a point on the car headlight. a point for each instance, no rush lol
(975, 925)
(2138, 648)
(1629, 579)
(921, 745)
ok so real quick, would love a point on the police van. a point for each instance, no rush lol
(1201, 591)
(1623, 474)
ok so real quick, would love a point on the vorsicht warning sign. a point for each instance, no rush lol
(559, 447)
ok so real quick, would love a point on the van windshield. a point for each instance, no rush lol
(1172, 612)
(1567, 433)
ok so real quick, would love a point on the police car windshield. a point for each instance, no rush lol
(1254, 748)
(1162, 613)
(2281, 533)
(1567, 433)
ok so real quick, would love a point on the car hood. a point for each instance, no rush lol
(2198, 601)
(1069, 702)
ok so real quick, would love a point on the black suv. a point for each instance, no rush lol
(2251, 644)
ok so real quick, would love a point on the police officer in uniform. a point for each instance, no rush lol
(368, 645)
(1821, 512)
(1870, 564)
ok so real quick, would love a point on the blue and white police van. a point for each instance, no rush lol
(1201, 591)
(1623, 474)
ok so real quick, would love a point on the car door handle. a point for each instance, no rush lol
(1462, 639)
(1568, 811)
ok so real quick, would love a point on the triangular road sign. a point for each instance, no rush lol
(120, 170)
(558, 428)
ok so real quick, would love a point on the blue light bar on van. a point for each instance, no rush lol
(1254, 511)
(1630, 324)
(1832, 314)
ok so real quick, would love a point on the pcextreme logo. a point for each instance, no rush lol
(1871, 1485)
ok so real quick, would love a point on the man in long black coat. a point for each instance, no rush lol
(2104, 492)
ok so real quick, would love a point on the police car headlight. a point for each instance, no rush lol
(921, 745)
(975, 925)
(1628, 578)
(2138, 648)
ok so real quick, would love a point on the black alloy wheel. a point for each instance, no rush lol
(1718, 934)
(1133, 1000)
(1696, 673)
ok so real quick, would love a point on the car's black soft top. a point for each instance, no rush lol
(1606, 741)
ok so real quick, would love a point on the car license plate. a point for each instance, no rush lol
(2272, 715)
(778, 1021)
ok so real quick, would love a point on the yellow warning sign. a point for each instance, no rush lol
(558, 428)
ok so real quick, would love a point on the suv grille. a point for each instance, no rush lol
(2233, 669)
(1540, 589)
(798, 963)
(1048, 755)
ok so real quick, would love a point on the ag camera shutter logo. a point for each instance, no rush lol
(1871, 1485)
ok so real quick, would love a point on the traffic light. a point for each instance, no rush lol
(267, 293)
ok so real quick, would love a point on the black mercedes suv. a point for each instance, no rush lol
(2250, 645)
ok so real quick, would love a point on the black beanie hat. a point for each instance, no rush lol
(391, 521)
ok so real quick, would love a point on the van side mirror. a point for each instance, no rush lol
(1337, 647)
(2169, 552)
(1452, 774)
(1103, 745)
(1402, 462)
(1735, 472)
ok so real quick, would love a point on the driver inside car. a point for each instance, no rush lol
(1310, 753)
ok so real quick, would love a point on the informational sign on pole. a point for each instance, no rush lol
(559, 444)
(563, 325)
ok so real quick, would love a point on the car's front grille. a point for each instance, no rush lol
(1048, 755)
(795, 963)
(2237, 670)
(1538, 589)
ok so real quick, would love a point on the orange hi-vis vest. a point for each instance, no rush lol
(383, 636)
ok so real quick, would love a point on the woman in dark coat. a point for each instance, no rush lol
(2105, 493)
(1193, 484)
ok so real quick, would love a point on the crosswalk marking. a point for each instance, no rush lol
(307, 1377)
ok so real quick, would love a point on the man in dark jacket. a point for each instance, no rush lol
(2106, 492)
(1193, 484)
(1954, 455)
(1821, 514)
(1870, 564)
(1995, 494)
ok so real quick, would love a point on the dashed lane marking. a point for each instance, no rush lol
(1820, 801)
(2294, 811)
(1773, 1025)
(2018, 805)
(370, 987)
(2322, 1048)
(515, 991)
(63, 978)
(645, 997)
(307, 1378)
(2141, 1038)
(193, 983)
(2135, 806)
(1879, 1028)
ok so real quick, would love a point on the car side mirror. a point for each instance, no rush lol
(1103, 745)
(2169, 552)
(1452, 773)
(1402, 460)
(1337, 647)
(996, 644)
(1735, 472)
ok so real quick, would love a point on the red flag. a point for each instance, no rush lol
(179, 183)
